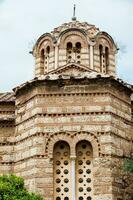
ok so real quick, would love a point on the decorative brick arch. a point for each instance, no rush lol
(41, 44)
(79, 37)
(90, 137)
(72, 138)
(103, 36)
(53, 139)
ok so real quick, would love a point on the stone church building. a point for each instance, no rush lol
(68, 130)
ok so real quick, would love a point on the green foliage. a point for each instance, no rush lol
(12, 188)
(128, 165)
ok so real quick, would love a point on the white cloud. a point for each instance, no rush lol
(21, 22)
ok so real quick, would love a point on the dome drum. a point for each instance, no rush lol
(75, 42)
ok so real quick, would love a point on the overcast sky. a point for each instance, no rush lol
(23, 21)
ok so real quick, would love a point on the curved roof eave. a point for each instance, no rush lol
(107, 35)
(95, 76)
(44, 35)
(73, 29)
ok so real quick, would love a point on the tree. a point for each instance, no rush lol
(128, 165)
(12, 187)
(127, 179)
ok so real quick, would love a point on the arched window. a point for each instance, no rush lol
(78, 52)
(69, 46)
(69, 51)
(73, 178)
(48, 50)
(42, 60)
(107, 58)
(101, 57)
(47, 57)
(78, 46)
(74, 52)
(62, 171)
(84, 171)
(42, 56)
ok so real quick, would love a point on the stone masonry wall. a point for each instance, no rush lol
(97, 112)
(7, 133)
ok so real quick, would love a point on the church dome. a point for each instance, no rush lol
(75, 42)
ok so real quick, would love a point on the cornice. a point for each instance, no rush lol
(96, 93)
(61, 80)
(69, 114)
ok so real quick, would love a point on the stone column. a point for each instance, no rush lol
(73, 172)
(91, 44)
(91, 57)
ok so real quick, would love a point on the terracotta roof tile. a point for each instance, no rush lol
(7, 97)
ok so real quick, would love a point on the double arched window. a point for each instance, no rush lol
(73, 179)
(104, 58)
(69, 52)
(42, 58)
(101, 57)
(78, 52)
(45, 58)
(73, 52)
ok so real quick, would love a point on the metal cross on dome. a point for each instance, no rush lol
(74, 11)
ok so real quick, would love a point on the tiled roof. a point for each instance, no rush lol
(90, 29)
(7, 97)
(88, 75)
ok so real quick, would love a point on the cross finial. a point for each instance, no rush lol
(74, 11)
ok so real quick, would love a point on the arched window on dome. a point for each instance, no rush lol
(42, 57)
(101, 57)
(69, 51)
(47, 57)
(106, 58)
(78, 52)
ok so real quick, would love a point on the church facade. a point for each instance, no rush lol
(68, 130)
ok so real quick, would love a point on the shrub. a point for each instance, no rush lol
(128, 165)
(12, 188)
